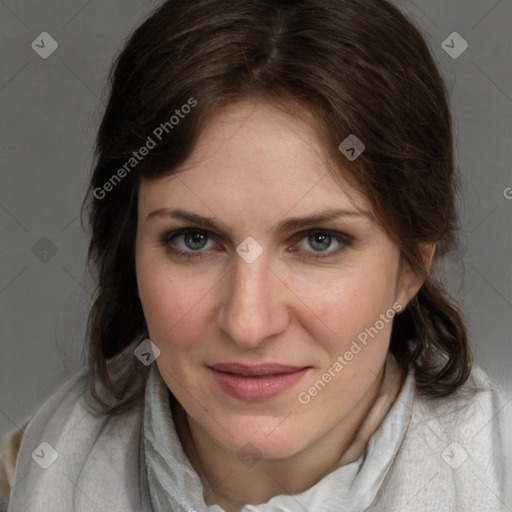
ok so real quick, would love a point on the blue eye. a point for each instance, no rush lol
(194, 239)
(191, 243)
(320, 241)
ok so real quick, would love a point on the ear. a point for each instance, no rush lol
(409, 281)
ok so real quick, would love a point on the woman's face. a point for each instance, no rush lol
(246, 287)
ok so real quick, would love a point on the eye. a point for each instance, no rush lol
(320, 241)
(192, 242)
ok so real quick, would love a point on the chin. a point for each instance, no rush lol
(264, 443)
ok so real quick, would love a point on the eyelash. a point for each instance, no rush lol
(341, 238)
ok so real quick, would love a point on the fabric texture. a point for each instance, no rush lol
(353, 486)
(447, 455)
(9, 448)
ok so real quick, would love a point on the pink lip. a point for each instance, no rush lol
(259, 382)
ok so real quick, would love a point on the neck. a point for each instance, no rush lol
(225, 479)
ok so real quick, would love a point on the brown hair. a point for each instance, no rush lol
(358, 67)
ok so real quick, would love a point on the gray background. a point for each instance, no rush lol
(50, 110)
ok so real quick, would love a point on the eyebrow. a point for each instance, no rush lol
(284, 225)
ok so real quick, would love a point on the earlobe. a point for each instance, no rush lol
(409, 280)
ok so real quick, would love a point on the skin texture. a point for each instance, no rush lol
(253, 166)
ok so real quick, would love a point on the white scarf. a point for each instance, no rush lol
(175, 485)
(456, 456)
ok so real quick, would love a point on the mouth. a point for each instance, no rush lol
(256, 382)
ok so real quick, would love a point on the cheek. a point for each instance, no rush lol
(171, 303)
(346, 305)
(353, 339)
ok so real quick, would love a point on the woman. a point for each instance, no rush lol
(273, 188)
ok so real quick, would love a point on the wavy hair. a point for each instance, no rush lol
(358, 67)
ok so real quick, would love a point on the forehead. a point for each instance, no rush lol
(255, 153)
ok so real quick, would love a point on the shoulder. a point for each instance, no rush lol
(66, 441)
(472, 412)
(66, 399)
(471, 423)
(63, 407)
(456, 453)
(10, 443)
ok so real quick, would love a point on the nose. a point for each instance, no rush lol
(253, 308)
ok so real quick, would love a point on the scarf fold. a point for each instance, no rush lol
(175, 485)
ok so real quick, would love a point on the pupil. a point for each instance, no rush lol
(324, 240)
(192, 239)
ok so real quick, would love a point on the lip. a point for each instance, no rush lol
(256, 382)
(257, 370)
